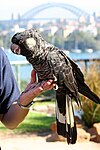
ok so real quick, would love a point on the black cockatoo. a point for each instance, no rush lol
(52, 63)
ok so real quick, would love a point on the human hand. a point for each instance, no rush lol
(35, 88)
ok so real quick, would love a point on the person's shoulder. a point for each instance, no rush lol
(3, 56)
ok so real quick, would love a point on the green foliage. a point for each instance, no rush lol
(48, 93)
(98, 34)
(91, 113)
(23, 85)
(91, 110)
(5, 40)
(35, 122)
(82, 40)
(1, 42)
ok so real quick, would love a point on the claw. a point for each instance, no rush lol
(56, 87)
(55, 79)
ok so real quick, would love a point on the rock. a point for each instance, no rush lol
(95, 133)
(82, 135)
(55, 137)
(53, 127)
(95, 138)
(95, 129)
(79, 122)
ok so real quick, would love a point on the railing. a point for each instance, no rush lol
(87, 61)
(17, 65)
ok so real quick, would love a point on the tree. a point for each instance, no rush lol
(81, 40)
(98, 34)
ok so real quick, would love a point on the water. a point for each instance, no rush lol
(83, 55)
(72, 55)
(25, 70)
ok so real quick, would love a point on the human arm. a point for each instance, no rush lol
(15, 115)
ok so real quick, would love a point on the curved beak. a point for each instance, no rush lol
(15, 49)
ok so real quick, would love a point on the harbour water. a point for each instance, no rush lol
(72, 55)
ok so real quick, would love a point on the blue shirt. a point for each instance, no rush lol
(9, 91)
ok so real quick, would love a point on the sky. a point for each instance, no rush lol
(7, 7)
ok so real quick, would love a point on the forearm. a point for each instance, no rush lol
(16, 114)
(12, 121)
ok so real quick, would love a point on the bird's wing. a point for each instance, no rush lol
(68, 77)
(79, 78)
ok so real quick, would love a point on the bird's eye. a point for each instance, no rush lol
(21, 41)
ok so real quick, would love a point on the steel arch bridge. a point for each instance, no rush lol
(31, 13)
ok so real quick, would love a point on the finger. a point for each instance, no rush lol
(38, 89)
(52, 86)
(48, 85)
(34, 92)
(33, 79)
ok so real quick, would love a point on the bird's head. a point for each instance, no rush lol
(24, 43)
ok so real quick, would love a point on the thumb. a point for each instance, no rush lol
(33, 76)
(33, 79)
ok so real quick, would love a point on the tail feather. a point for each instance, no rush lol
(71, 134)
(66, 125)
(61, 128)
(70, 122)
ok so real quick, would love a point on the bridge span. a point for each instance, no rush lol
(33, 12)
(30, 15)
